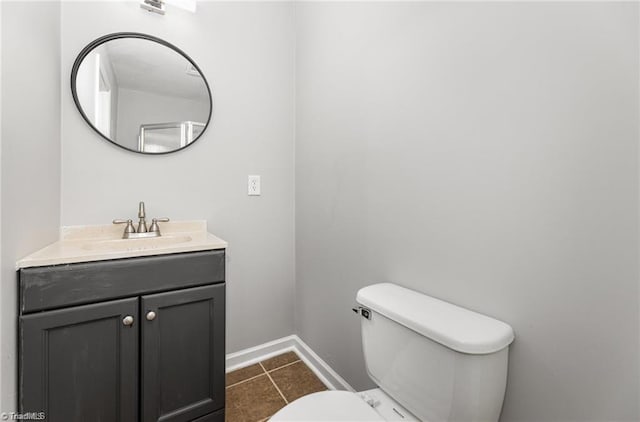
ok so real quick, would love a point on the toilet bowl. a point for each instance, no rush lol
(333, 406)
(328, 406)
(432, 361)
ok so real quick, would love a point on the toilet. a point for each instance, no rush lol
(431, 360)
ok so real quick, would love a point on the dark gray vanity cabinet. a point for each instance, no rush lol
(139, 339)
(81, 363)
(180, 351)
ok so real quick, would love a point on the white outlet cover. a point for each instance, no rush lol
(253, 185)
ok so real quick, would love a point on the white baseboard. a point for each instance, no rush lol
(252, 355)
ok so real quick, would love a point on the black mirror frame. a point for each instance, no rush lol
(117, 35)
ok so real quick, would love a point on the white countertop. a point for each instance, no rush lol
(104, 242)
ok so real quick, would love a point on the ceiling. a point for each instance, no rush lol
(146, 65)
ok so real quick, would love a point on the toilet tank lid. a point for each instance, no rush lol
(450, 325)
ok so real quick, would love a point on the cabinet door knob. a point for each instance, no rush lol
(128, 320)
(151, 316)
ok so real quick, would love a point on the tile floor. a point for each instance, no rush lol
(258, 391)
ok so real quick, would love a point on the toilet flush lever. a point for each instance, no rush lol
(362, 311)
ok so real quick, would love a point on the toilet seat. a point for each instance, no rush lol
(335, 406)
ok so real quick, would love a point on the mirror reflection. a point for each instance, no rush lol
(141, 93)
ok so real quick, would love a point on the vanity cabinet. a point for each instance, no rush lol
(137, 339)
(81, 363)
(182, 359)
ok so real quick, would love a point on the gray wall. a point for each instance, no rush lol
(30, 155)
(246, 51)
(485, 154)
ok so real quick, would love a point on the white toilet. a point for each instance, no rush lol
(432, 361)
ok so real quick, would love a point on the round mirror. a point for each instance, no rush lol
(141, 93)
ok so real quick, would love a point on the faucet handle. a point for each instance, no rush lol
(154, 224)
(129, 228)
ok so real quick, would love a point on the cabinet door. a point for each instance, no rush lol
(81, 363)
(182, 354)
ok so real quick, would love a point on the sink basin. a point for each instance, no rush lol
(104, 242)
(128, 245)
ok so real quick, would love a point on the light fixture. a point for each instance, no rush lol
(158, 6)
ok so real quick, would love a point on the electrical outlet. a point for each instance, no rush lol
(253, 185)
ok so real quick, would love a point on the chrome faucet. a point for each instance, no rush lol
(142, 224)
(130, 232)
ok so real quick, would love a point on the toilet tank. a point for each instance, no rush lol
(440, 361)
